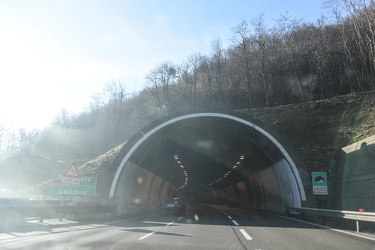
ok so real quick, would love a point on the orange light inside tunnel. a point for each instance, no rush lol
(185, 173)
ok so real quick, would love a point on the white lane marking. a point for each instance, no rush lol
(245, 234)
(230, 217)
(235, 223)
(149, 234)
(69, 230)
(180, 218)
(145, 236)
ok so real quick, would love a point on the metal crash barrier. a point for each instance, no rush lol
(350, 215)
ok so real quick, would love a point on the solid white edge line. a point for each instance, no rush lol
(326, 227)
(235, 223)
(149, 234)
(245, 234)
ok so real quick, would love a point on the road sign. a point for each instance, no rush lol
(73, 182)
(319, 183)
(64, 189)
(87, 178)
(72, 171)
(71, 175)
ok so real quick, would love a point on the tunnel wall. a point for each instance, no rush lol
(270, 189)
(140, 190)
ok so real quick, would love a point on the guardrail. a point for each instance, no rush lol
(350, 215)
(60, 212)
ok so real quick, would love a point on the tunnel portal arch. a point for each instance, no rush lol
(283, 183)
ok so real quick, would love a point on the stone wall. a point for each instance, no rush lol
(356, 183)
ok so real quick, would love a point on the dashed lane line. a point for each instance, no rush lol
(153, 232)
(245, 234)
(243, 231)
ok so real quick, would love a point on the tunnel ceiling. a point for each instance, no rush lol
(213, 151)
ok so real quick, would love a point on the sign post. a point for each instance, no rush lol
(319, 183)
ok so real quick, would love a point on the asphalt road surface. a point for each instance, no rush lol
(202, 227)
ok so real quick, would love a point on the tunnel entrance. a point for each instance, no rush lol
(212, 158)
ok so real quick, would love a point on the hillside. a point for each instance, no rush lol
(322, 127)
(316, 130)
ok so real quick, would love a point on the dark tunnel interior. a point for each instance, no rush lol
(204, 158)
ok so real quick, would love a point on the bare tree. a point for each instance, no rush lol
(153, 85)
(218, 57)
(189, 75)
(116, 94)
(287, 28)
(166, 76)
(242, 41)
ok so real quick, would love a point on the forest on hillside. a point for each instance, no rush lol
(292, 61)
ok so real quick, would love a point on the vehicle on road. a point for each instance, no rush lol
(175, 205)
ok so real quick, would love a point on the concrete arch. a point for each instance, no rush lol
(274, 186)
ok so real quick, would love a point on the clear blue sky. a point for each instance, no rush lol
(55, 54)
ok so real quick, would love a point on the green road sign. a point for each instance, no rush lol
(87, 178)
(64, 189)
(319, 183)
(85, 184)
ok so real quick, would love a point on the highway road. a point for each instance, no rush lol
(203, 227)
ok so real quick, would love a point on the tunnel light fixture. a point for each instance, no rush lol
(242, 157)
(220, 179)
(186, 178)
(185, 173)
